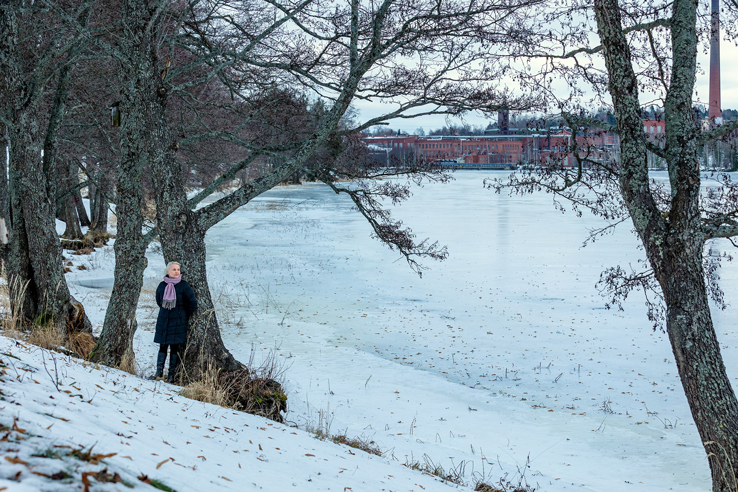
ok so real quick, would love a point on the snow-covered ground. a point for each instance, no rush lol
(501, 358)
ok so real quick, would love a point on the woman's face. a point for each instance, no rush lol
(173, 271)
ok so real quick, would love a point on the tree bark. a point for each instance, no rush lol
(4, 197)
(84, 219)
(139, 97)
(99, 204)
(182, 238)
(71, 219)
(700, 364)
(36, 254)
(674, 242)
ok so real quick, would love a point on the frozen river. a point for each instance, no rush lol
(502, 353)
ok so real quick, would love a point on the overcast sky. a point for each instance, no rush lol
(729, 95)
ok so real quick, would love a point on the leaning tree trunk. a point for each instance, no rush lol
(674, 241)
(700, 364)
(84, 219)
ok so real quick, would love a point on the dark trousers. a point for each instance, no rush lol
(175, 349)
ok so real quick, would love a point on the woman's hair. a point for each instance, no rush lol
(166, 270)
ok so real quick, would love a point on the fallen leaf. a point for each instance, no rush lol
(308, 454)
(15, 460)
(165, 461)
(225, 478)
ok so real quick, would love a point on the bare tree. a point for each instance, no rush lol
(420, 56)
(36, 68)
(642, 50)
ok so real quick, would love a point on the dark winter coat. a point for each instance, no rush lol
(171, 325)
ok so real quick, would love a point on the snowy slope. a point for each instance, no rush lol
(146, 428)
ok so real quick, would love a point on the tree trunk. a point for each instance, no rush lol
(4, 198)
(119, 327)
(23, 291)
(73, 229)
(183, 240)
(84, 219)
(99, 204)
(71, 219)
(36, 254)
(674, 241)
(139, 97)
(34, 263)
(204, 344)
(700, 364)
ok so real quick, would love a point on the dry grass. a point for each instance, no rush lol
(49, 336)
(483, 487)
(363, 444)
(127, 362)
(43, 332)
(322, 430)
(12, 321)
(208, 389)
(81, 344)
(453, 474)
(253, 389)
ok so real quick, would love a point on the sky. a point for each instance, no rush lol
(729, 95)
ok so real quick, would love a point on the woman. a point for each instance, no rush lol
(177, 303)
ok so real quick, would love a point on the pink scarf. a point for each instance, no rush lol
(170, 295)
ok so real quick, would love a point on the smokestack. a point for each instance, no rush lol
(503, 121)
(714, 109)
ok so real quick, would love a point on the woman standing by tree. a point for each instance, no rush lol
(177, 303)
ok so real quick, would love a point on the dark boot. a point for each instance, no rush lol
(160, 359)
(173, 362)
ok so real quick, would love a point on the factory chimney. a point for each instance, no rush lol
(714, 109)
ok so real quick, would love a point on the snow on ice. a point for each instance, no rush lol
(500, 360)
